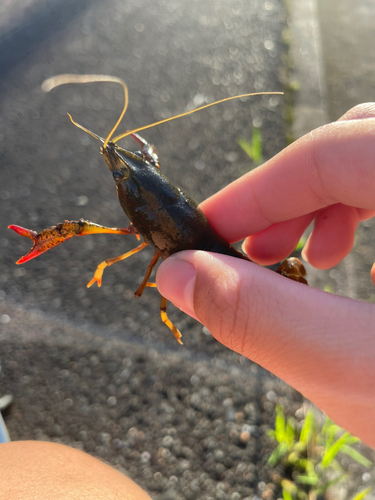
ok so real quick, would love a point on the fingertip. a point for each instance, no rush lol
(175, 280)
(332, 237)
(373, 273)
(277, 241)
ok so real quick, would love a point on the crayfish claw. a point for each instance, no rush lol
(28, 233)
(43, 241)
(55, 235)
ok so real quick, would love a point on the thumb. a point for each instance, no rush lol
(249, 309)
(311, 339)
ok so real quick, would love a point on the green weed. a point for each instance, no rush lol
(253, 148)
(308, 456)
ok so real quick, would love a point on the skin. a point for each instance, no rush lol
(37, 470)
(321, 344)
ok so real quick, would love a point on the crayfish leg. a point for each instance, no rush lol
(145, 283)
(163, 313)
(163, 304)
(106, 263)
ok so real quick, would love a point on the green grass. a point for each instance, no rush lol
(308, 456)
(253, 148)
(301, 244)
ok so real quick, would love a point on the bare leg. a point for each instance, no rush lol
(100, 269)
(164, 318)
(144, 283)
(35, 470)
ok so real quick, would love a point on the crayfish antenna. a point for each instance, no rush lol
(86, 129)
(58, 80)
(139, 129)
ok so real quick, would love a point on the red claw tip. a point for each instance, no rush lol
(25, 258)
(28, 233)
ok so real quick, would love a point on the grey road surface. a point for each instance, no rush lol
(173, 56)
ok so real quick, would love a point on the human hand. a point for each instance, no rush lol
(321, 344)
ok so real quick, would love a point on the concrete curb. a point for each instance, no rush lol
(310, 109)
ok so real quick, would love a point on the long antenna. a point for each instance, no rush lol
(58, 80)
(117, 138)
(95, 136)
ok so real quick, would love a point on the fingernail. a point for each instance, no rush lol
(176, 281)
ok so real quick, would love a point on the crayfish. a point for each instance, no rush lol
(165, 217)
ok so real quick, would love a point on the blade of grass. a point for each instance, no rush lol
(253, 148)
(331, 453)
(287, 495)
(280, 425)
(301, 243)
(307, 428)
(358, 457)
(361, 494)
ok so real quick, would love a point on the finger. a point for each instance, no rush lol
(365, 214)
(333, 164)
(332, 237)
(311, 339)
(360, 112)
(277, 241)
(373, 274)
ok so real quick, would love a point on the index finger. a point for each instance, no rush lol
(333, 164)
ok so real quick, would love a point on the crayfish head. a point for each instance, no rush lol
(111, 157)
(122, 163)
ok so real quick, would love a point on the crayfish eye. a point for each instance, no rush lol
(120, 175)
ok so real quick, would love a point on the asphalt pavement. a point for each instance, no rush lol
(173, 59)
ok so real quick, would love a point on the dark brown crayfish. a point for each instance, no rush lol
(166, 218)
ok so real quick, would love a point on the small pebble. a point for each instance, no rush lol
(245, 437)
(145, 457)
